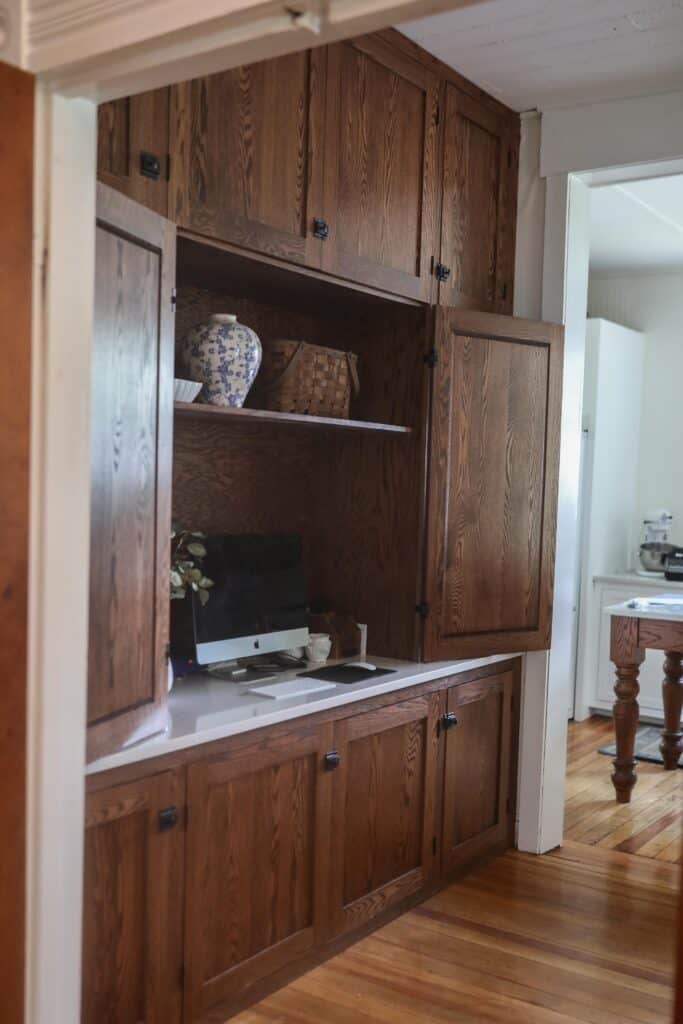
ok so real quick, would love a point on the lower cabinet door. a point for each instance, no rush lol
(477, 804)
(133, 904)
(257, 842)
(384, 798)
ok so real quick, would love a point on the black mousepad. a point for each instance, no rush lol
(345, 674)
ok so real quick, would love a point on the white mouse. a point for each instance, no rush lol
(361, 664)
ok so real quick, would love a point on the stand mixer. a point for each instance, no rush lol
(655, 547)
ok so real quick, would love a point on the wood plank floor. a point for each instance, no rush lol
(583, 934)
(650, 826)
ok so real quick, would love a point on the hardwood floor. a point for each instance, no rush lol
(650, 826)
(583, 934)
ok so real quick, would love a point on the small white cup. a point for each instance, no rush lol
(318, 647)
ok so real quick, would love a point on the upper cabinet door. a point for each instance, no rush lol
(245, 163)
(132, 147)
(479, 207)
(493, 472)
(132, 425)
(380, 168)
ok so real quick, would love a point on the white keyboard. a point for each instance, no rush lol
(291, 688)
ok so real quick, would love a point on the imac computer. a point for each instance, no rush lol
(257, 605)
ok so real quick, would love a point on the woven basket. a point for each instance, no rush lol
(309, 379)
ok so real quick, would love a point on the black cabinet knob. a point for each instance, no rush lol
(320, 228)
(449, 720)
(168, 818)
(442, 272)
(150, 165)
(331, 760)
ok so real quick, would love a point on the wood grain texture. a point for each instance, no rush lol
(650, 827)
(131, 463)
(384, 801)
(494, 457)
(479, 205)
(579, 936)
(380, 167)
(256, 863)
(132, 911)
(246, 165)
(477, 779)
(125, 128)
(16, 277)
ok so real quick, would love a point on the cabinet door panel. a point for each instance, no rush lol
(132, 374)
(384, 795)
(380, 163)
(494, 454)
(479, 205)
(132, 908)
(245, 165)
(257, 846)
(476, 811)
(125, 129)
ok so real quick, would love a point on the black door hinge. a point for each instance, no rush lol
(168, 167)
(437, 114)
(422, 609)
(181, 976)
(174, 299)
(434, 845)
(431, 359)
(442, 272)
(508, 805)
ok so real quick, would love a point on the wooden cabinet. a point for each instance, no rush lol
(384, 799)
(133, 907)
(380, 167)
(493, 468)
(479, 204)
(132, 410)
(257, 852)
(477, 794)
(246, 162)
(132, 147)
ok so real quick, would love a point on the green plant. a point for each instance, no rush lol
(187, 554)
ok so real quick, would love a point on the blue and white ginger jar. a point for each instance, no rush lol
(225, 356)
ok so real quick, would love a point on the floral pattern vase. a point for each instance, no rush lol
(225, 356)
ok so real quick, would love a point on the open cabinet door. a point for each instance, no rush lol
(131, 457)
(493, 472)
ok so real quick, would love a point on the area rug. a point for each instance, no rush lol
(647, 745)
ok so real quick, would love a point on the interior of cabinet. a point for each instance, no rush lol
(355, 499)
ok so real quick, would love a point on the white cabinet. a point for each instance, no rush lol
(595, 670)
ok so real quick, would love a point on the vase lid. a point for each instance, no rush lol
(224, 318)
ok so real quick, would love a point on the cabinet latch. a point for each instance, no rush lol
(449, 721)
(442, 272)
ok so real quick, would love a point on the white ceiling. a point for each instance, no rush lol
(637, 226)
(552, 53)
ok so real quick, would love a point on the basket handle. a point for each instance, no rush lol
(287, 370)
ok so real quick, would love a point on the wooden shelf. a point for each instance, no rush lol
(190, 410)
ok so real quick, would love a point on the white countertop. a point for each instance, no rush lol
(648, 608)
(202, 709)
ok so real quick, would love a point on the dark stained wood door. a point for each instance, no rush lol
(479, 205)
(477, 805)
(17, 89)
(132, 903)
(130, 133)
(132, 424)
(493, 472)
(257, 858)
(385, 792)
(246, 164)
(380, 167)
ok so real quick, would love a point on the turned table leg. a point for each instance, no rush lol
(671, 744)
(627, 657)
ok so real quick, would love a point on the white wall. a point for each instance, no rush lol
(653, 304)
